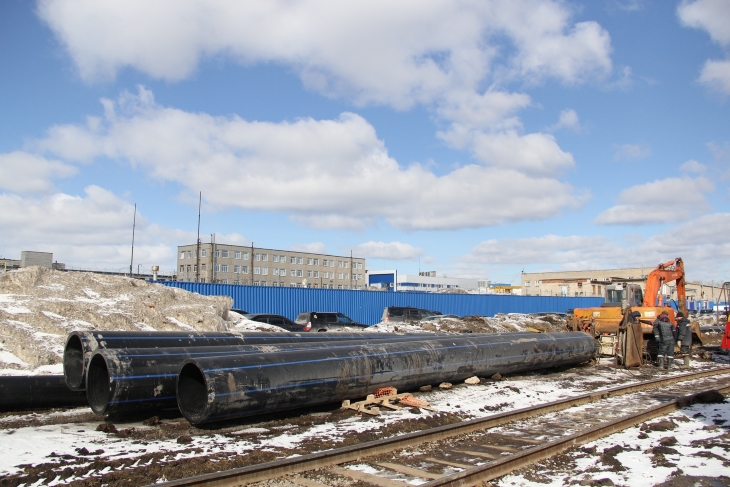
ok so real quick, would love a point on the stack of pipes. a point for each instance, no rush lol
(218, 376)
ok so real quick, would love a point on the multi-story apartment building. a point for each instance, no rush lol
(235, 264)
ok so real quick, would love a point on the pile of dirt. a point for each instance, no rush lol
(39, 307)
(499, 323)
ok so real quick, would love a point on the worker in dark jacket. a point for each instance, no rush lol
(684, 337)
(664, 335)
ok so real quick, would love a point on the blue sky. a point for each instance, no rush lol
(477, 139)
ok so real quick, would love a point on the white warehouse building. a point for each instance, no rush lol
(423, 281)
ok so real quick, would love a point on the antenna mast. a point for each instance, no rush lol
(197, 250)
(134, 224)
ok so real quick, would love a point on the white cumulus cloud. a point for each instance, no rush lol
(712, 16)
(23, 172)
(396, 53)
(89, 231)
(326, 173)
(387, 250)
(662, 201)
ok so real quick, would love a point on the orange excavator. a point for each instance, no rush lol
(623, 299)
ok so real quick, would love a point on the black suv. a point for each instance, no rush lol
(407, 313)
(277, 320)
(327, 321)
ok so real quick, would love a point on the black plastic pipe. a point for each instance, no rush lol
(128, 380)
(20, 393)
(80, 345)
(218, 388)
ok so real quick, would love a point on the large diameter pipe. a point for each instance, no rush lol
(20, 393)
(128, 380)
(218, 388)
(80, 345)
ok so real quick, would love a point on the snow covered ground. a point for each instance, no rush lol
(39, 307)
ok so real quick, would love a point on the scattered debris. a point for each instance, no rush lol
(472, 380)
(383, 398)
(445, 385)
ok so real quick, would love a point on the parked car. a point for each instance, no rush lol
(278, 320)
(439, 317)
(406, 313)
(327, 321)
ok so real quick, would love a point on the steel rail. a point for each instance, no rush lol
(491, 471)
(279, 468)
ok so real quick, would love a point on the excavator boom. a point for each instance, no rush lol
(665, 273)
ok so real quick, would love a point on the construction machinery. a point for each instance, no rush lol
(625, 299)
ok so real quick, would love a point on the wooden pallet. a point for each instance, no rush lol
(372, 403)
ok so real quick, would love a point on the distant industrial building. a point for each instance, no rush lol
(235, 264)
(594, 282)
(28, 259)
(428, 281)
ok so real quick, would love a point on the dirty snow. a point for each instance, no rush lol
(39, 307)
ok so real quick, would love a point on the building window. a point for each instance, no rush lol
(316, 273)
(217, 253)
(204, 253)
(293, 260)
(257, 270)
(224, 267)
(346, 276)
(245, 256)
(537, 283)
(309, 273)
(309, 261)
(275, 271)
(265, 271)
(299, 273)
(217, 268)
(202, 267)
(182, 255)
(325, 262)
(293, 272)
(274, 258)
(340, 276)
(195, 267)
(347, 265)
(224, 254)
(237, 255)
(236, 269)
(282, 272)
(265, 257)
(182, 268)
(236, 281)
(300, 260)
(244, 269)
(339, 263)
(256, 256)
(316, 261)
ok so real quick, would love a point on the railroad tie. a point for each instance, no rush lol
(305, 482)
(451, 464)
(365, 477)
(415, 472)
(480, 454)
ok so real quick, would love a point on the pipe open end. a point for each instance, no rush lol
(73, 363)
(192, 393)
(98, 384)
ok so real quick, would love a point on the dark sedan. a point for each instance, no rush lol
(280, 321)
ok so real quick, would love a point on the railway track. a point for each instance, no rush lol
(482, 449)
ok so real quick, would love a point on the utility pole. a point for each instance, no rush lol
(197, 250)
(134, 224)
(251, 266)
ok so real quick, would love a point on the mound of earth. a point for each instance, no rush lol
(39, 307)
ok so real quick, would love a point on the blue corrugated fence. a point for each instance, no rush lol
(367, 306)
